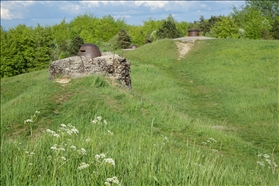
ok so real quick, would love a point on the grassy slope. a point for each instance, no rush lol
(229, 83)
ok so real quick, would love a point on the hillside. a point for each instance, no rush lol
(210, 118)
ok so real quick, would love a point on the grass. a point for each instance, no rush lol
(207, 119)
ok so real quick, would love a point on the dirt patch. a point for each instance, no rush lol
(183, 48)
(63, 81)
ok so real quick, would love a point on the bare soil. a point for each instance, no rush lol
(183, 48)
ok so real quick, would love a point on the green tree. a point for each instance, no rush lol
(75, 45)
(252, 22)
(275, 29)
(267, 8)
(123, 39)
(206, 25)
(168, 29)
(226, 28)
(182, 27)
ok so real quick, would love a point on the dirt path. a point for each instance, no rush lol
(183, 48)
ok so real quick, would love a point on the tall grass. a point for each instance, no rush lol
(177, 126)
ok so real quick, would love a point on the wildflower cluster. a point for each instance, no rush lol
(99, 120)
(208, 141)
(68, 129)
(64, 152)
(32, 120)
(102, 158)
(264, 160)
(113, 180)
(52, 133)
(83, 166)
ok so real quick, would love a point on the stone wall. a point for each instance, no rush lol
(108, 64)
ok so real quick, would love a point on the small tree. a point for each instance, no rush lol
(168, 30)
(275, 29)
(226, 28)
(123, 40)
(75, 45)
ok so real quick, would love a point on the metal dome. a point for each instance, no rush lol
(89, 50)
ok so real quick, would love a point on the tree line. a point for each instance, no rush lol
(26, 49)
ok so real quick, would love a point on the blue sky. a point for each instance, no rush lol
(134, 12)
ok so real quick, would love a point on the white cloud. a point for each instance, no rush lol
(6, 14)
(14, 9)
(121, 16)
(90, 4)
(152, 4)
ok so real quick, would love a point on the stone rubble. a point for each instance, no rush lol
(109, 64)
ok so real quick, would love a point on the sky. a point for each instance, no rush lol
(50, 13)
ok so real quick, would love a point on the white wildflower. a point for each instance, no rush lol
(94, 121)
(266, 156)
(54, 147)
(109, 161)
(37, 112)
(105, 122)
(88, 140)
(30, 164)
(97, 157)
(82, 151)
(115, 180)
(56, 135)
(63, 158)
(28, 121)
(61, 149)
(74, 130)
(83, 166)
(112, 180)
(259, 155)
(99, 118)
(268, 161)
(63, 125)
(111, 133)
(102, 155)
(260, 163)
(211, 139)
(167, 140)
(73, 147)
(52, 133)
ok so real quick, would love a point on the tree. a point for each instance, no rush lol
(206, 25)
(267, 8)
(168, 30)
(275, 29)
(123, 39)
(75, 45)
(226, 28)
(182, 27)
(249, 19)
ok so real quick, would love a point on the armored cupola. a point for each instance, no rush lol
(89, 50)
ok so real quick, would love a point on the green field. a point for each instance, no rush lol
(210, 118)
